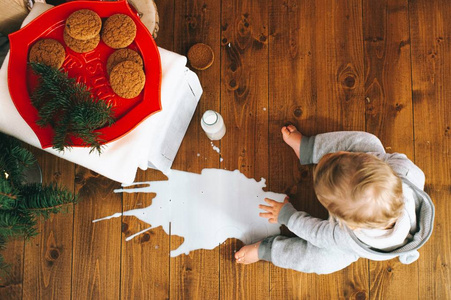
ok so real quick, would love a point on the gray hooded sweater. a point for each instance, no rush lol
(323, 246)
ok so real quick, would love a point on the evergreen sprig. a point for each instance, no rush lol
(4, 267)
(20, 203)
(14, 224)
(14, 159)
(44, 200)
(8, 195)
(70, 108)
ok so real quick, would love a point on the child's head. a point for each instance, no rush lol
(358, 189)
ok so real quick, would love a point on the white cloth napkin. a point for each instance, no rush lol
(154, 142)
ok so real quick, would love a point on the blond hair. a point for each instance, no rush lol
(358, 189)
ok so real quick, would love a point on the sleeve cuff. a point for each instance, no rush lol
(264, 250)
(285, 214)
(306, 150)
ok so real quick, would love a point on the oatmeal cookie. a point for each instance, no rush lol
(119, 31)
(49, 52)
(127, 79)
(121, 55)
(81, 46)
(83, 24)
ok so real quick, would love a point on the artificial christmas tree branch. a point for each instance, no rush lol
(10, 196)
(21, 203)
(70, 108)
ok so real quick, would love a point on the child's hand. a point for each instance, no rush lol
(272, 211)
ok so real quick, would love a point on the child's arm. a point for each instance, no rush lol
(320, 233)
(315, 147)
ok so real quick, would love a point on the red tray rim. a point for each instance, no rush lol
(17, 89)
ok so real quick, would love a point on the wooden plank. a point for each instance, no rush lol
(96, 246)
(430, 28)
(11, 284)
(389, 116)
(145, 259)
(244, 102)
(316, 83)
(339, 65)
(48, 256)
(388, 74)
(196, 276)
(166, 11)
(291, 100)
(340, 106)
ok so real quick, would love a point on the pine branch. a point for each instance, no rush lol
(44, 200)
(70, 108)
(2, 242)
(7, 201)
(20, 203)
(14, 224)
(5, 269)
(7, 192)
(7, 196)
(14, 159)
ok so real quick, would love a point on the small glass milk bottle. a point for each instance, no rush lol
(213, 125)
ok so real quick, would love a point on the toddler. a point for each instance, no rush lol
(378, 209)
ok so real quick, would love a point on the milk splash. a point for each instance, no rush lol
(205, 209)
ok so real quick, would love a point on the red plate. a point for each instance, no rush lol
(89, 68)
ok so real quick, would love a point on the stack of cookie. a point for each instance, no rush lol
(82, 30)
(124, 66)
(125, 69)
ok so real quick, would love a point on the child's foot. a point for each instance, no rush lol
(292, 137)
(248, 254)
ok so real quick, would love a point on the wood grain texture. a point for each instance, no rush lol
(166, 11)
(316, 83)
(145, 258)
(244, 103)
(388, 95)
(145, 271)
(11, 284)
(339, 106)
(292, 99)
(196, 276)
(380, 66)
(48, 256)
(430, 28)
(96, 246)
(389, 115)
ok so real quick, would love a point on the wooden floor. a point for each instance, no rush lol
(378, 66)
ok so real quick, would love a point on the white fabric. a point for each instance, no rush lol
(154, 142)
(409, 258)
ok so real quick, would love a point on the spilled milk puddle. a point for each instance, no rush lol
(205, 209)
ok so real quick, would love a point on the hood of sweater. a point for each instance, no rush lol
(407, 252)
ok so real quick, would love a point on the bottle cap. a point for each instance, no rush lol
(210, 117)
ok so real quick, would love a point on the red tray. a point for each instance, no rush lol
(88, 68)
